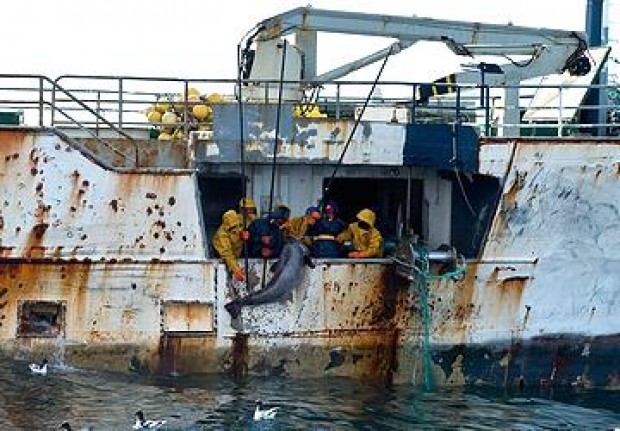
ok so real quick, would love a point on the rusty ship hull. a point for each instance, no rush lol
(114, 264)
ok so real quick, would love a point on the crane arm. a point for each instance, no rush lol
(463, 38)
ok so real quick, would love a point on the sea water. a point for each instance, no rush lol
(106, 401)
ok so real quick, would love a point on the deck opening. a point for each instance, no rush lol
(469, 229)
(41, 319)
(396, 212)
(218, 193)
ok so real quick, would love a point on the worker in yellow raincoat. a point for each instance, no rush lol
(247, 209)
(228, 243)
(366, 239)
(298, 227)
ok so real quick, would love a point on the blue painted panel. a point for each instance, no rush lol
(431, 145)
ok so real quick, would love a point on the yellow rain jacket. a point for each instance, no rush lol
(296, 228)
(247, 204)
(368, 242)
(227, 240)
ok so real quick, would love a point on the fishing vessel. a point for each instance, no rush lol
(496, 199)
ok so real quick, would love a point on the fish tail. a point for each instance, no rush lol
(233, 308)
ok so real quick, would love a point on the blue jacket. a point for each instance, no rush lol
(264, 235)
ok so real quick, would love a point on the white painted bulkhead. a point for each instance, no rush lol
(550, 262)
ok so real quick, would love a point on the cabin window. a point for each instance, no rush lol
(396, 212)
(41, 319)
(218, 193)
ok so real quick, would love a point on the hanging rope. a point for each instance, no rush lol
(455, 155)
(242, 154)
(464, 193)
(275, 149)
(243, 67)
(357, 122)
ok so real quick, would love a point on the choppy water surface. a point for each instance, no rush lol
(108, 401)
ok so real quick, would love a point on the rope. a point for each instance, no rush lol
(357, 122)
(275, 150)
(462, 188)
(249, 37)
(455, 156)
(242, 151)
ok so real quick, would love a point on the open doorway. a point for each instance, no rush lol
(387, 197)
(218, 193)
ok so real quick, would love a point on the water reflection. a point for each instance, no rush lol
(109, 401)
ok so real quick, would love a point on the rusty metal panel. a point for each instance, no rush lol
(486, 305)
(335, 296)
(550, 262)
(57, 204)
(106, 303)
(188, 316)
(150, 153)
(115, 249)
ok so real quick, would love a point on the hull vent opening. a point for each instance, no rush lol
(45, 319)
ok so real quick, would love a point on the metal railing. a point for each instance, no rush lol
(102, 107)
(39, 99)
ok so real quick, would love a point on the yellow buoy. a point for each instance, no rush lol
(214, 98)
(169, 118)
(179, 101)
(154, 116)
(191, 91)
(163, 136)
(163, 104)
(201, 112)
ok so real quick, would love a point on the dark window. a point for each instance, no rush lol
(218, 194)
(41, 319)
(470, 228)
(387, 197)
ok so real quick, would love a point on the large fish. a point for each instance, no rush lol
(287, 273)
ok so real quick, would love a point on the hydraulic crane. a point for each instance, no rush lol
(548, 51)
